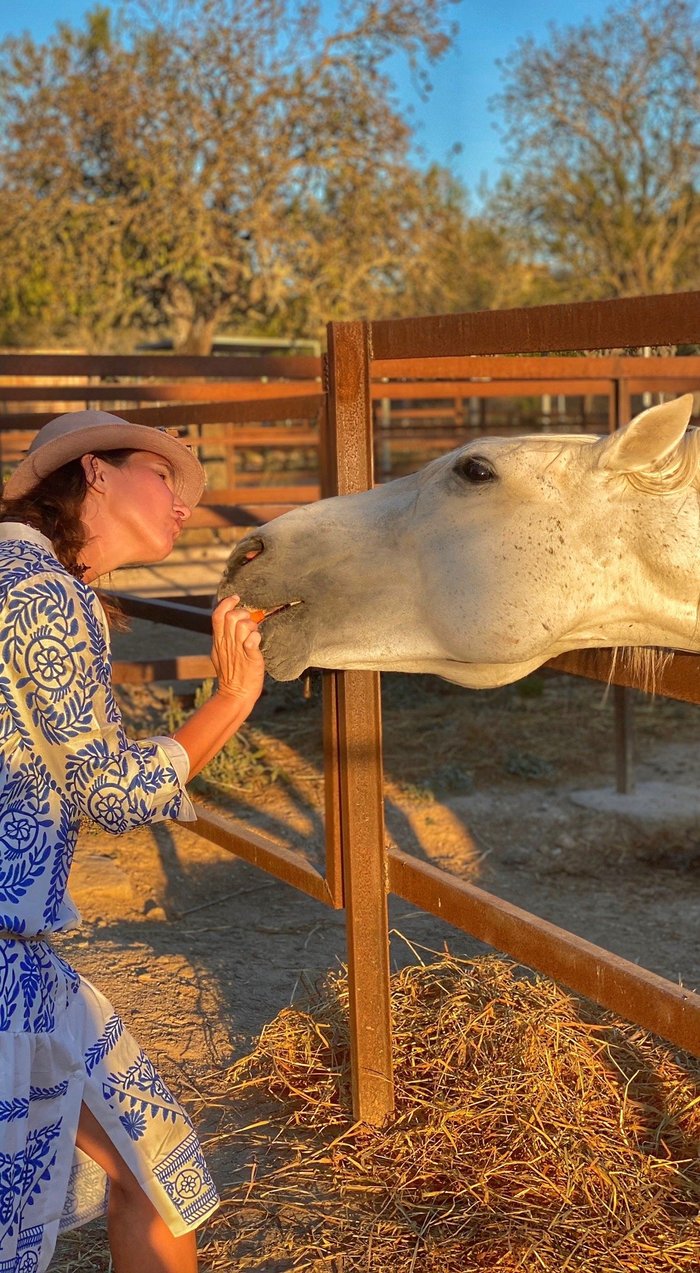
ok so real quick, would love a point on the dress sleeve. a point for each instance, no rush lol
(55, 679)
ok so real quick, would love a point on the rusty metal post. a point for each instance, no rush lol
(360, 759)
(622, 697)
(384, 419)
(332, 821)
(327, 476)
(624, 740)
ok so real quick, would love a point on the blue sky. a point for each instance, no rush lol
(464, 81)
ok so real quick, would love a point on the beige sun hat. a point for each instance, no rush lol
(81, 432)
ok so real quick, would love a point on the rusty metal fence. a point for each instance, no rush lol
(356, 350)
(442, 401)
(359, 870)
(235, 407)
(228, 406)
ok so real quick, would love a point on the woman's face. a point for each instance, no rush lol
(138, 516)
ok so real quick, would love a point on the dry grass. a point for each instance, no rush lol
(532, 1132)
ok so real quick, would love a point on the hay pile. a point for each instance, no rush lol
(532, 1132)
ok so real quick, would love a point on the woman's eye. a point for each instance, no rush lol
(474, 469)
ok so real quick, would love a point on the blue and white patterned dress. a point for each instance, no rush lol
(64, 756)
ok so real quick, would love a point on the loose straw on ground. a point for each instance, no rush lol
(533, 1132)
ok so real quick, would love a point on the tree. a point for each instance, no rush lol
(603, 141)
(209, 165)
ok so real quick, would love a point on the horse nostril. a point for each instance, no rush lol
(247, 551)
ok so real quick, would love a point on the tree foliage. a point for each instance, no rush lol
(245, 164)
(603, 139)
(226, 162)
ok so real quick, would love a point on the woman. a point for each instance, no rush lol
(80, 1103)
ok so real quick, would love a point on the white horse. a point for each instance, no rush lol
(490, 560)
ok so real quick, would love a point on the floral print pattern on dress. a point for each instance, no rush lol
(64, 756)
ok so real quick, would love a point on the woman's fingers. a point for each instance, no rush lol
(236, 649)
(228, 618)
(230, 606)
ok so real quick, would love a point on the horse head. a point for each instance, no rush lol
(491, 559)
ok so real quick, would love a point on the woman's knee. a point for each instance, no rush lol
(93, 1140)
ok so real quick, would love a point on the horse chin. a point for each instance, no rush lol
(485, 676)
(286, 664)
(284, 646)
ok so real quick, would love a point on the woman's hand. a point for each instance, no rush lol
(240, 669)
(236, 653)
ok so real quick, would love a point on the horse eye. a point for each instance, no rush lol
(474, 469)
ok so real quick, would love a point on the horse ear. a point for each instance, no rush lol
(647, 440)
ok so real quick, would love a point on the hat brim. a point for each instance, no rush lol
(188, 474)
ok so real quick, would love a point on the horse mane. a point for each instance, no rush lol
(644, 663)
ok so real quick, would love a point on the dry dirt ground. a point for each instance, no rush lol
(198, 950)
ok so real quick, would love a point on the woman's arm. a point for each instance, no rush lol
(240, 671)
(56, 695)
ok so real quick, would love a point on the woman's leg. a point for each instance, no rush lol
(139, 1239)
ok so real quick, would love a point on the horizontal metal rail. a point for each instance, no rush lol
(635, 993)
(417, 390)
(639, 321)
(256, 494)
(216, 368)
(204, 391)
(678, 674)
(175, 613)
(188, 667)
(219, 366)
(260, 850)
(495, 367)
(178, 415)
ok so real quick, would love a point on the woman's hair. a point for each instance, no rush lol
(54, 507)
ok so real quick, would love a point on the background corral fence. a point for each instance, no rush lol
(254, 419)
(412, 356)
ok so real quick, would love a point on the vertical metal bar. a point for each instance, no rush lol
(327, 470)
(327, 459)
(613, 405)
(624, 740)
(622, 701)
(365, 879)
(624, 403)
(384, 415)
(332, 818)
(359, 750)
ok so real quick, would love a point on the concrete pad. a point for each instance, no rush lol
(650, 802)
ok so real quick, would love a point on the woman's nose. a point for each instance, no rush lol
(181, 510)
